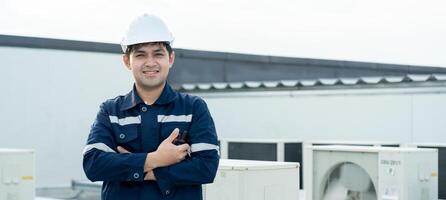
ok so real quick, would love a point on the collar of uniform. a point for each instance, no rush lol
(167, 96)
(132, 98)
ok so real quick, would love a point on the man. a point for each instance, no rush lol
(152, 143)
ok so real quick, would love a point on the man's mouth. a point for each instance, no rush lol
(150, 72)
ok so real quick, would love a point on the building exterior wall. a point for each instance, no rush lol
(49, 101)
(404, 115)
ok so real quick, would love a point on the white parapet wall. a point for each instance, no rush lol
(49, 101)
(400, 114)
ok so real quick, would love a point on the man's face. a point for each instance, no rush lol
(150, 65)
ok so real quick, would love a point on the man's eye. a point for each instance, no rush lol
(138, 55)
(159, 54)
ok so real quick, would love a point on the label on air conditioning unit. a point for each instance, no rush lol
(390, 162)
(391, 194)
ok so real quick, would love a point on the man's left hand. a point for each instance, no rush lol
(149, 175)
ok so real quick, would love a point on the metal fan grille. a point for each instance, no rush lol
(348, 181)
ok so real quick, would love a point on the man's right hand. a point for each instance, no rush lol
(167, 153)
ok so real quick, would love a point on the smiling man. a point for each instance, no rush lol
(152, 143)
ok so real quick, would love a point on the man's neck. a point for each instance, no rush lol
(150, 95)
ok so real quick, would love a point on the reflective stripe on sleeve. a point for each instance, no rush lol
(125, 120)
(204, 147)
(174, 118)
(99, 146)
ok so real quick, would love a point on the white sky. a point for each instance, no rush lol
(386, 31)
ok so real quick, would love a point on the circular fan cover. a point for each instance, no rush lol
(348, 181)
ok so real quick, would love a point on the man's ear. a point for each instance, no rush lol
(126, 61)
(171, 59)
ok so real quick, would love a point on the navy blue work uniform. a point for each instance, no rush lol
(128, 122)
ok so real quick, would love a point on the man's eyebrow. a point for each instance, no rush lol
(159, 50)
(139, 51)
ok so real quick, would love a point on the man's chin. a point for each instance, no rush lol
(152, 85)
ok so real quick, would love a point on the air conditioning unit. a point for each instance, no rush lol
(353, 143)
(370, 173)
(17, 174)
(441, 164)
(288, 150)
(254, 180)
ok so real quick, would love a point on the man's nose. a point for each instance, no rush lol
(150, 61)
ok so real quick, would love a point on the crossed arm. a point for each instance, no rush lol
(166, 154)
(167, 165)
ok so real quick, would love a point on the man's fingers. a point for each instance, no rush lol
(183, 155)
(122, 150)
(150, 176)
(184, 147)
(173, 135)
(146, 177)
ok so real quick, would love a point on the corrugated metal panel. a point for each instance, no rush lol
(370, 81)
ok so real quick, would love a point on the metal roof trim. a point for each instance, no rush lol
(219, 86)
(371, 79)
(418, 77)
(394, 79)
(349, 81)
(409, 78)
(204, 86)
(308, 82)
(270, 84)
(253, 84)
(289, 83)
(328, 81)
(188, 86)
(439, 77)
(236, 85)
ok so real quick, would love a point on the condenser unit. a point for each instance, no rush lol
(288, 150)
(254, 180)
(441, 164)
(17, 174)
(370, 173)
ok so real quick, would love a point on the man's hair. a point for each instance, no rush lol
(134, 47)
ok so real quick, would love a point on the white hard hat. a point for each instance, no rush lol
(146, 28)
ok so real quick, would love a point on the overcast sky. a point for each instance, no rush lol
(386, 31)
